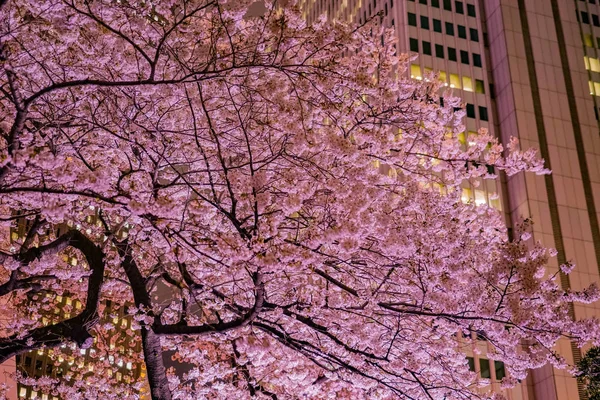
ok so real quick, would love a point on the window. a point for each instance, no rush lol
(448, 5)
(471, 10)
(585, 18)
(477, 60)
(464, 57)
(467, 83)
(412, 19)
(424, 22)
(479, 86)
(499, 367)
(595, 20)
(435, 3)
(449, 29)
(460, 9)
(439, 51)
(415, 71)
(414, 45)
(471, 362)
(470, 111)
(485, 368)
(462, 31)
(426, 48)
(598, 41)
(474, 34)
(455, 81)
(437, 25)
(588, 40)
(483, 113)
(451, 54)
(423, 2)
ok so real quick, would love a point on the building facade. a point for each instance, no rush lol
(528, 69)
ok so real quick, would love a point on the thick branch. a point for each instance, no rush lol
(74, 329)
(243, 320)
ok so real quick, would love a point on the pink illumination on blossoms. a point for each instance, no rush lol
(231, 156)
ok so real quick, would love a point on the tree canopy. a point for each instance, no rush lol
(298, 195)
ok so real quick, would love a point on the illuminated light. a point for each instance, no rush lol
(452, 85)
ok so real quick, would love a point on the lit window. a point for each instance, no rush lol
(415, 71)
(455, 81)
(479, 86)
(22, 392)
(594, 64)
(443, 77)
(597, 88)
(467, 83)
(588, 40)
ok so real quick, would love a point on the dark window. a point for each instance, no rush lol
(471, 362)
(592, 1)
(490, 169)
(38, 365)
(485, 368)
(596, 112)
(392, 3)
(451, 54)
(28, 361)
(471, 10)
(464, 57)
(442, 102)
(460, 8)
(386, 9)
(439, 51)
(437, 25)
(470, 111)
(449, 29)
(424, 22)
(477, 60)
(423, 2)
(414, 45)
(462, 31)
(598, 41)
(435, 3)
(585, 18)
(412, 19)
(474, 34)
(483, 114)
(448, 5)
(595, 20)
(499, 367)
(426, 48)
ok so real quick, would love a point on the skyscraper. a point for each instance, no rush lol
(526, 69)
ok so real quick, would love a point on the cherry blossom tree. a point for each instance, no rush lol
(297, 196)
